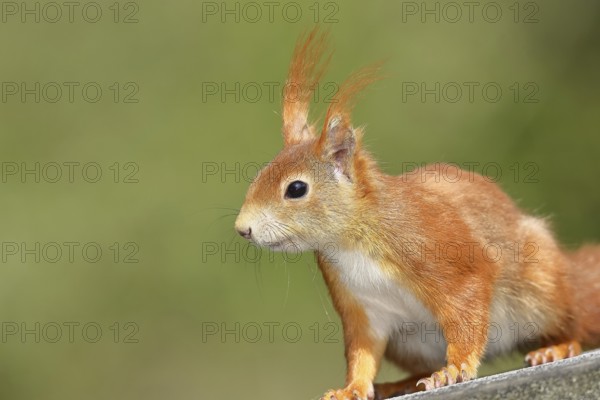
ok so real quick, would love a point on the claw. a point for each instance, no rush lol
(446, 376)
(553, 353)
(427, 382)
(450, 380)
(354, 391)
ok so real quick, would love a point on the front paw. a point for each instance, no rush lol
(448, 376)
(354, 391)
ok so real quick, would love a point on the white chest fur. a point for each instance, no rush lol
(393, 310)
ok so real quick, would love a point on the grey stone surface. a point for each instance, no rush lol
(574, 378)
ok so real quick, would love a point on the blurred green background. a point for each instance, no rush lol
(167, 204)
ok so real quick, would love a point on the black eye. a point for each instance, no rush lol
(296, 190)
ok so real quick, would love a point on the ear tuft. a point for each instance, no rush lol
(338, 135)
(305, 71)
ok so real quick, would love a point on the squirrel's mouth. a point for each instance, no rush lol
(277, 245)
(282, 245)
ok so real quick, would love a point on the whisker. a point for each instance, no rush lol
(237, 210)
(256, 266)
(232, 238)
(286, 230)
(258, 278)
(220, 218)
(287, 291)
(319, 293)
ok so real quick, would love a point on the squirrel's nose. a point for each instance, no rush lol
(246, 233)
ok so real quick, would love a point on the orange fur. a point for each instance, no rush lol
(346, 97)
(306, 68)
(376, 237)
(585, 279)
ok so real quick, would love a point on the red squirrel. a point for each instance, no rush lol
(502, 282)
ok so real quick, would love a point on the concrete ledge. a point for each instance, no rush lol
(574, 378)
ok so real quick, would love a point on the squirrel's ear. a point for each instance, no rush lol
(306, 68)
(338, 138)
(337, 144)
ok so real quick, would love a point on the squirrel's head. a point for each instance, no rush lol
(305, 197)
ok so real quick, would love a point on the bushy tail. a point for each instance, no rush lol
(586, 280)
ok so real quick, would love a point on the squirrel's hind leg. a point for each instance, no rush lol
(553, 353)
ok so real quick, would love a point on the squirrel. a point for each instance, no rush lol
(500, 281)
